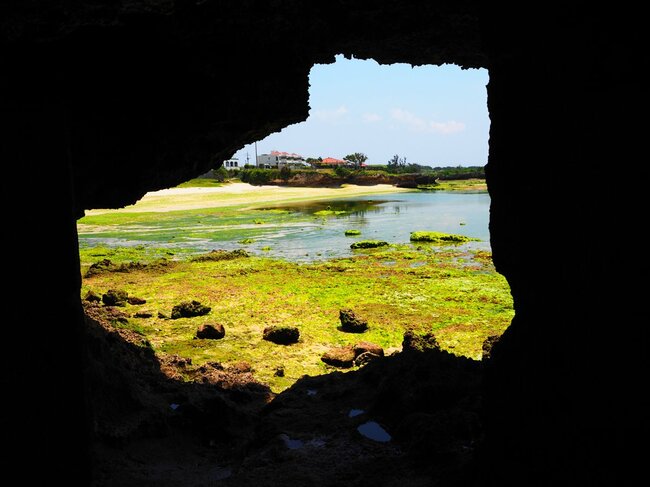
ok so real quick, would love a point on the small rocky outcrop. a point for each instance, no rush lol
(135, 300)
(115, 297)
(282, 335)
(488, 343)
(368, 244)
(219, 254)
(342, 357)
(364, 358)
(142, 314)
(413, 342)
(92, 297)
(242, 367)
(352, 355)
(351, 323)
(189, 309)
(99, 267)
(363, 347)
(211, 331)
(106, 265)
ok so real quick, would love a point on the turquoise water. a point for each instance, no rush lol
(317, 230)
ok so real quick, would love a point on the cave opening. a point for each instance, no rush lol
(245, 397)
(318, 229)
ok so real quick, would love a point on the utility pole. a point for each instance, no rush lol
(256, 153)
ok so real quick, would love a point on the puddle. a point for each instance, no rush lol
(221, 473)
(291, 444)
(374, 431)
(355, 412)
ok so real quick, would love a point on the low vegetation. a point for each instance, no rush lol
(396, 172)
(452, 293)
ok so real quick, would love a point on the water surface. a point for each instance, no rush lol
(316, 230)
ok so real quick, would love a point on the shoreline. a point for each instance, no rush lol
(240, 194)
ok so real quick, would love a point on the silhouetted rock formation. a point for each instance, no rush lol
(104, 101)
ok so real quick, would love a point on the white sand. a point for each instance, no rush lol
(238, 194)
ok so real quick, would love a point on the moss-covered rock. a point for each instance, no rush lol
(92, 297)
(135, 300)
(211, 331)
(115, 297)
(351, 323)
(282, 335)
(438, 237)
(99, 267)
(368, 244)
(352, 232)
(188, 309)
(413, 342)
(220, 254)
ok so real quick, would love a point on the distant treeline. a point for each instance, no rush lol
(376, 174)
(459, 172)
(439, 172)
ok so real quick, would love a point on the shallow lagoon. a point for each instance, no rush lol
(316, 231)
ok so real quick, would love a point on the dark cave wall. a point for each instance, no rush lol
(105, 101)
(154, 93)
(562, 402)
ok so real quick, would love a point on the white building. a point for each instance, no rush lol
(231, 164)
(279, 160)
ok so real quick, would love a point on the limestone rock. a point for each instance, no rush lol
(282, 335)
(342, 357)
(351, 323)
(189, 309)
(115, 297)
(413, 342)
(210, 331)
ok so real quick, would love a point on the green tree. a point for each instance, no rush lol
(221, 174)
(285, 173)
(358, 159)
(396, 164)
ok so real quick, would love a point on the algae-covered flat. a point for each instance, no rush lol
(454, 293)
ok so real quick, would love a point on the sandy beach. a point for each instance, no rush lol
(241, 194)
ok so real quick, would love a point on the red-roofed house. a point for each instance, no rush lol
(330, 161)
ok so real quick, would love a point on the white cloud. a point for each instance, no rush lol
(417, 124)
(331, 115)
(371, 117)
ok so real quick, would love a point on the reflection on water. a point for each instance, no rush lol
(343, 208)
(391, 220)
(318, 232)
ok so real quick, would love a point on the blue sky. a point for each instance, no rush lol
(431, 115)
